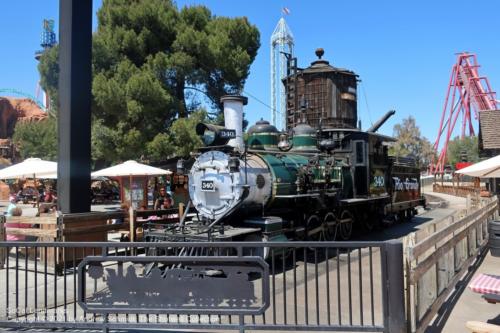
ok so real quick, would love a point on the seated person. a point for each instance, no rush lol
(164, 200)
(49, 196)
(125, 208)
(20, 195)
(13, 210)
(12, 205)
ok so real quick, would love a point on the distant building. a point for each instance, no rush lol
(489, 139)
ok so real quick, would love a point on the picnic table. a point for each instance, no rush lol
(488, 285)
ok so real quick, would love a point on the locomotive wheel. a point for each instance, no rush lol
(410, 213)
(314, 229)
(369, 220)
(402, 216)
(330, 226)
(345, 225)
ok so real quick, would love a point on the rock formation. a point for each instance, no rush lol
(13, 110)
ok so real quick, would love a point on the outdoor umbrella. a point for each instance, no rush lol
(489, 168)
(30, 168)
(130, 169)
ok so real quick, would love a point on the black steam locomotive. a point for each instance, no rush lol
(315, 181)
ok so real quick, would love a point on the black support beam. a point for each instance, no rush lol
(74, 121)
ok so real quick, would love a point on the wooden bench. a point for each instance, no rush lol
(83, 227)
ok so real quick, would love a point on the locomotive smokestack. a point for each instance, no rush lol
(233, 118)
(380, 122)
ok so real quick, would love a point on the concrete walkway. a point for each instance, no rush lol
(465, 305)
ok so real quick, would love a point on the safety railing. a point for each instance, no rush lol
(439, 259)
(458, 190)
(311, 286)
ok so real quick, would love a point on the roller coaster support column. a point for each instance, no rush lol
(75, 54)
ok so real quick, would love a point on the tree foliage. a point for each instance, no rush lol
(459, 146)
(182, 139)
(37, 139)
(150, 60)
(411, 143)
(49, 75)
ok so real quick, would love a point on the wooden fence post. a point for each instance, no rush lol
(181, 210)
(468, 204)
(131, 216)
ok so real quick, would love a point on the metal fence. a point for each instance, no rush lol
(308, 286)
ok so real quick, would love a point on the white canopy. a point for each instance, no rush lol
(489, 168)
(130, 168)
(30, 168)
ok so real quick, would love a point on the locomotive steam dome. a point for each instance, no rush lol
(263, 135)
(304, 138)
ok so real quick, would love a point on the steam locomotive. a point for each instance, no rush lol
(317, 180)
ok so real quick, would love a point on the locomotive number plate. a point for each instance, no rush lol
(227, 134)
(207, 185)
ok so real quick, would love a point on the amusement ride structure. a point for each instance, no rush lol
(48, 40)
(281, 50)
(468, 94)
(15, 92)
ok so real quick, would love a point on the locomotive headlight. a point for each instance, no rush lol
(208, 137)
(234, 164)
(213, 135)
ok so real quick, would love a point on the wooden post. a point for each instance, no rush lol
(181, 210)
(131, 215)
(468, 209)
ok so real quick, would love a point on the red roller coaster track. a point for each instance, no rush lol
(468, 93)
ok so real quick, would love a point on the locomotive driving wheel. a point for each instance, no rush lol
(321, 230)
(345, 225)
(330, 226)
(314, 228)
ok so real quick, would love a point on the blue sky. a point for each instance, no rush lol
(402, 50)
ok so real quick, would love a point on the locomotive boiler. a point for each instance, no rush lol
(317, 180)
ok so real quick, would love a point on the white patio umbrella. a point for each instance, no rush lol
(30, 168)
(489, 168)
(130, 169)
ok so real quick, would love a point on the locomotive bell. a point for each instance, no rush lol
(284, 143)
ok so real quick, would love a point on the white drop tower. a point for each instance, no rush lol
(281, 45)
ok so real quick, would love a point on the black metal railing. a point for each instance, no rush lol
(313, 286)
